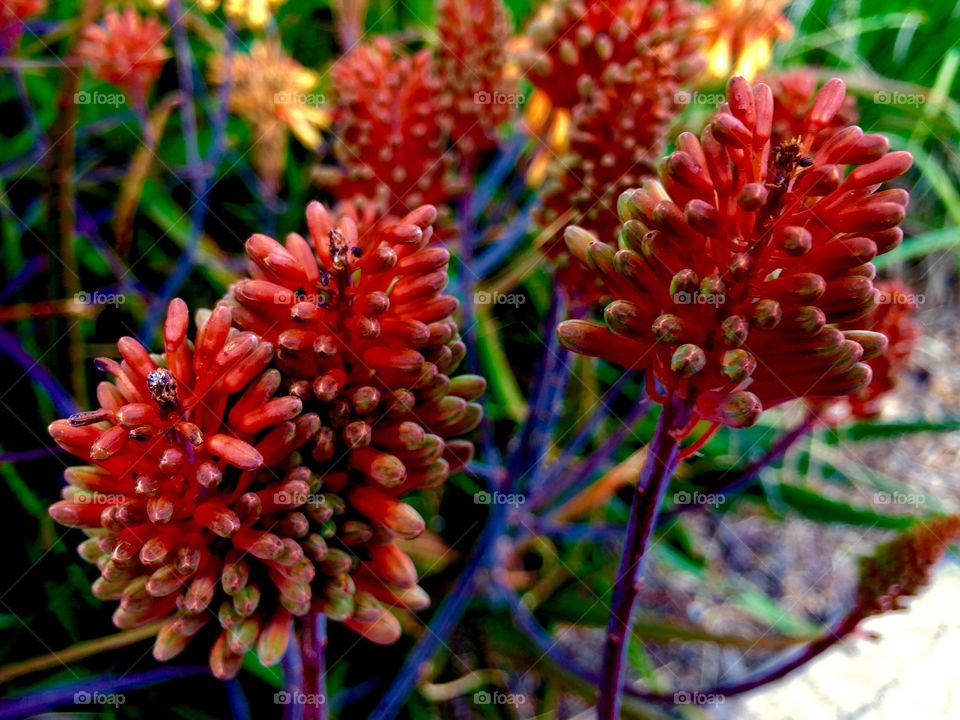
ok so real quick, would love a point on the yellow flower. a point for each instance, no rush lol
(740, 35)
(254, 14)
(276, 94)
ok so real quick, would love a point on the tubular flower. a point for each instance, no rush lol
(13, 16)
(273, 92)
(391, 131)
(366, 339)
(190, 458)
(894, 316)
(793, 94)
(477, 92)
(622, 48)
(126, 50)
(745, 278)
(740, 35)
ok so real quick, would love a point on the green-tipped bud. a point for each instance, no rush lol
(241, 638)
(667, 328)
(797, 240)
(874, 344)
(274, 638)
(683, 285)
(766, 314)
(246, 601)
(734, 330)
(688, 360)
(738, 364)
(337, 561)
(315, 547)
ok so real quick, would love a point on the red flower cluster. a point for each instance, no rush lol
(391, 131)
(365, 338)
(613, 69)
(742, 263)
(126, 51)
(13, 14)
(184, 497)
(894, 316)
(210, 494)
(476, 92)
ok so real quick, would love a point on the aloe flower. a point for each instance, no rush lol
(366, 339)
(744, 278)
(478, 93)
(740, 35)
(391, 131)
(186, 494)
(606, 78)
(126, 50)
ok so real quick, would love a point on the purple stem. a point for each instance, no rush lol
(19, 456)
(313, 643)
(654, 479)
(744, 478)
(292, 680)
(30, 269)
(64, 694)
(575, 481)
(531, 627)
(11, 347)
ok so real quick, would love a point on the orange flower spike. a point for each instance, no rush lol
(161, 493)
(740, 261)
(126, 50)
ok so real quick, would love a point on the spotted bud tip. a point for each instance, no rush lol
(688, 360)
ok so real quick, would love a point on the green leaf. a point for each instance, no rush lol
(813, 505)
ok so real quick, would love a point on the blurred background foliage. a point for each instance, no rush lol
(883, 47)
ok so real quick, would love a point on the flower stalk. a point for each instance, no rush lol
(651, 489)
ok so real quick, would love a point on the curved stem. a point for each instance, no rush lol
(313, 643)
(651, 488)
(743, 479)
